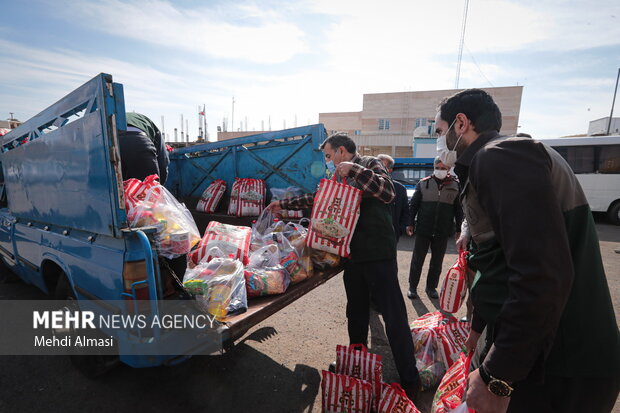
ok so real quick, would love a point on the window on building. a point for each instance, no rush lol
(357, 132)
(384, 124)
(420, 122)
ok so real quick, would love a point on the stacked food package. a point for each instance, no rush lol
(247, 197)
(211, 197)
(272, 255)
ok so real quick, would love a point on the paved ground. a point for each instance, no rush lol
(275, 368)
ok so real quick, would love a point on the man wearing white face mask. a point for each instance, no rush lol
(552, 342)
(435, 215)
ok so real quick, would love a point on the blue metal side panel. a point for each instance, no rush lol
(284, 158)
(59, 170)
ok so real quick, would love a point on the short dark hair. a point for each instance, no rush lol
(339, 139)
(477, 105)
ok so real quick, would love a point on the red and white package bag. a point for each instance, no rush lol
(234, 196)
(431, 320)
(345, 394)
(451, 390)
(451, 340)
(360, 364)
(229, 239)
(251, 197)
(335, 213)
(395, 400)
(212, 196)
(136, 190)
(454, 285)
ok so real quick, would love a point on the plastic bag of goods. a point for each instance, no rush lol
(211, 197)
(451, 390)
(176, 230)
(230, 239)
(265, 256)
(322, 260)
(286, 193)
(219, 286)
(266, 281)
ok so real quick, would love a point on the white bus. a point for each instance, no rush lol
(596, 162)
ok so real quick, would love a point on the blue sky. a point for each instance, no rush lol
(287, 59)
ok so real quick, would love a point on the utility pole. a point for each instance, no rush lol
(611, 115)
(458, 64)
(187, 129)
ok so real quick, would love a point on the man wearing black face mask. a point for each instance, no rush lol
(435, 215)
(553, 343)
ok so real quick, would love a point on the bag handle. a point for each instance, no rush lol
(335, 179)
(359, 346)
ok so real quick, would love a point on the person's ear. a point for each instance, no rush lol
(462, 124)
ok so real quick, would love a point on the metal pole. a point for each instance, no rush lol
(232, 118)
(163, 130)
(187, 129)
(611, 115)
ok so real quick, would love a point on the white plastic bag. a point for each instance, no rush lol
(176, 230)
(219, 286)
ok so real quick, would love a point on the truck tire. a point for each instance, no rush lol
(613, 214)
(89, 365)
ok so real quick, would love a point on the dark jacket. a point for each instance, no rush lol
(435, 208)
(138, 155)
(146, 125)
(541, 286)
(400, 209)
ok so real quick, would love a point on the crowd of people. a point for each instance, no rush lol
(537, 283)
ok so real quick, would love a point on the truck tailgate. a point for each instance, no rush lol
(260, 308)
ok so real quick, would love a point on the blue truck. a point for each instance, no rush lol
(63, 226)
(408, 171)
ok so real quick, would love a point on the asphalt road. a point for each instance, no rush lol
(276, 367)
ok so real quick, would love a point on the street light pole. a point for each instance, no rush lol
(611, 115)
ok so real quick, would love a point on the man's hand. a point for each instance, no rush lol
(410, 230)
(274, 207)
(472, 341)
(461, 242)
(344, 168)
(480, 399)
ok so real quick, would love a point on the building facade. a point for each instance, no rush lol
(401, 124)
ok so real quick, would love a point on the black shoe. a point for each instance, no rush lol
(432, 293)
(412, 294)
(332, 367)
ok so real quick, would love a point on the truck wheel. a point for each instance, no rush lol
(613, 215)
(90, 365)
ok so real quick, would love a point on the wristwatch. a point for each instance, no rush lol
(496, 386)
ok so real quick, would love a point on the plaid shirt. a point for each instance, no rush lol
(373, 181)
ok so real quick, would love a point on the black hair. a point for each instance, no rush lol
(477, 105)
(339, 139)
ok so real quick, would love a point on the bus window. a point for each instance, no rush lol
(580, 158)
(609, 159)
